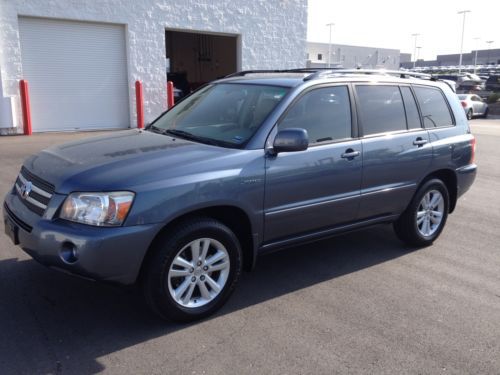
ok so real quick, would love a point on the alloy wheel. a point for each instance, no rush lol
(430, 213)
(198, 272)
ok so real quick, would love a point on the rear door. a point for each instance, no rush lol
(396, 149)
(318, 188)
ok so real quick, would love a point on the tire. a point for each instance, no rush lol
(469, 114)
(420, 225)
(486, 113)
(178, 288)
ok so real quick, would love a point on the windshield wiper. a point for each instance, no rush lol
(178, 132)
(190, 136)
(156, 129)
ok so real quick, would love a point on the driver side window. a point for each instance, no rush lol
(325, 113)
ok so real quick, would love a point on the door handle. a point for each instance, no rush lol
(350, 153)
(419, 142)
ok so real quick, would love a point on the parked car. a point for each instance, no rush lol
(473, 105)
(493, 83)
(181, 84)
(249, 164)
(468, 86)
(460, 78)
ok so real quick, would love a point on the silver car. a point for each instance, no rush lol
(473, 105)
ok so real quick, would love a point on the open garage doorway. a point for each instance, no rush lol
(194, 59)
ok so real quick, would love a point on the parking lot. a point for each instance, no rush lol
(358, 303)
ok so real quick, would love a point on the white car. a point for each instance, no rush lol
(473, 105)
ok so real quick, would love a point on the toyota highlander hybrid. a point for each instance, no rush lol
(251, 163)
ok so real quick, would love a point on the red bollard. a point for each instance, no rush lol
(25, 104)
(139, 102)
(170, 94)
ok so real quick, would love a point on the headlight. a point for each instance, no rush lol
(100, 209)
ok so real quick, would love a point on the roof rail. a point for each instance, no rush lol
(400, 73)
(317, 73)
(257, 71)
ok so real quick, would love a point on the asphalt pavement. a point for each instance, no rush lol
(358, 303)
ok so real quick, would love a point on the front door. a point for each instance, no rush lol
(318, 188)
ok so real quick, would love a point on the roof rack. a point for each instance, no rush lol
(295, 70)
(326, 72)
(317, 73)
(400, 73)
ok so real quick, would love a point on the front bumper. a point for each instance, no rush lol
(111, 254)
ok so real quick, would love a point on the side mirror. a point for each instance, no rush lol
(290, 140)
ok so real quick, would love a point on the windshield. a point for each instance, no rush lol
(224, 114)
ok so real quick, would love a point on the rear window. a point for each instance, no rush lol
(434, 107)
(381, 109)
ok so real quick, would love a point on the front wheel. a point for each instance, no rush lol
(193, 270)
(425, 217)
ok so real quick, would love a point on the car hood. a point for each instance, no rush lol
(124, 160)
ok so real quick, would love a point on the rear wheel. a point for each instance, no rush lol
(486, 113)
(469, 114)
(193, 270)
(425, 217)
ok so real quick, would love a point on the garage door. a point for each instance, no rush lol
(77, 74)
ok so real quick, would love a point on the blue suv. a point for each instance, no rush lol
(247, 164)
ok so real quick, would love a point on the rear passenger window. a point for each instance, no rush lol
(435, 111)
(381, 109)
(325, 113)
(412, 116)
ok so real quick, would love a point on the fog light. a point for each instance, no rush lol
(69, 253)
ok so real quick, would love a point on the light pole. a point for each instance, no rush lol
(489, 46)
(330, 42)
(464, 12)
(475, 57)
(418, 52)
(415, 48)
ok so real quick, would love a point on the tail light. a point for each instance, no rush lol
(464, 104)
(473, 150)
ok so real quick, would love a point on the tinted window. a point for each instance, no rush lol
(381, 109)
(325, 113)
(412, 116)
(434, 109)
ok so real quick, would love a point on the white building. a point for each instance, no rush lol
(81, 58)
(347, 56)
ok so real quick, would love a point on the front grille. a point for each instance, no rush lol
(28, 228)
(41, 183)
(34, 192)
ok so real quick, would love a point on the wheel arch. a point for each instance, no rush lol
(449, 178)
(233, 217)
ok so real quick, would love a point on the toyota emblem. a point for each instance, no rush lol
(26, 189)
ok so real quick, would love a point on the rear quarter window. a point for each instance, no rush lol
(434, 108)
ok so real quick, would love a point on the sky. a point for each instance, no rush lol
(390, 24)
